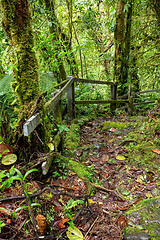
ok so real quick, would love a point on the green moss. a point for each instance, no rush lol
(72, 138)
(147, 212)
(108, 124)
(82, 172)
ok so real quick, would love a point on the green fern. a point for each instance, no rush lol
(5, 85)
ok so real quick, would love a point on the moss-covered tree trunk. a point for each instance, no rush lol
(17, 22)
(16, 19)
(127, 43)
(53, 28)
(119, 47)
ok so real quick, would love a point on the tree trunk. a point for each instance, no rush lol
(127, 42)
(16, 20)
(53, 28)
(119, 47)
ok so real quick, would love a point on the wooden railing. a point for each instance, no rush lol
(51, 105)
(131, 95)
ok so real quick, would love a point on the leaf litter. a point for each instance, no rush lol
(100, 216)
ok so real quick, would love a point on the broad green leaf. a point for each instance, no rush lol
(9, 159)
(30, 171)
(74, 234)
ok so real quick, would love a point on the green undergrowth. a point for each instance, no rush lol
(140, 152)
(147, 213)
(72, 138)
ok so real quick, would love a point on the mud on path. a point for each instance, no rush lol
(118, 156)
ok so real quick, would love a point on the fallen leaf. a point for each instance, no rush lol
(156, 151)
(149, 195)
(74, 234)
(68, 147)
(9, 159)
(5, 147)
(122, 221)
(120, 157)
(61, 222)
(105, 158)
(90, 201)
(42, 223)
(112, 129)
(94, 160)
(4, 210)
(139, 180)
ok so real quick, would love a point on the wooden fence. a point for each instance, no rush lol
(51, 105)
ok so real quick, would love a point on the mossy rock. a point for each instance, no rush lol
(147, 213)
(108, 124)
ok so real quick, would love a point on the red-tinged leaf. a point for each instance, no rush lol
(5, 147)
(9, 221)
(68, 147)
(111, 151)
(122, 222)
(58, 208)
(94, 160)
(123, 208)
(61, 222)
(137, 201)
(156, 151)
(4, 210)
(145, 231)
(111, 207)
(112, 130)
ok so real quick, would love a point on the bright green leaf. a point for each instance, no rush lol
(30, 171)
(74, 234)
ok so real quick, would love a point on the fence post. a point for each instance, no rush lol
(130, 101)
(113, 97)
(70, 101)
(57, 116)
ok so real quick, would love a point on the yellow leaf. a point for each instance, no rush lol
(9, 159)
(51, 146)
(90, 201)
(120, 157)
(139, 180)
(149, 195)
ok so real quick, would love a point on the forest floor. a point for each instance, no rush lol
(115, 167)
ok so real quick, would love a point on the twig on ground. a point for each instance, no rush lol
(22, 224)
(39, 193)
(102, 188)
(91, 227)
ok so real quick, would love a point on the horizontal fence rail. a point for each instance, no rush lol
(68, 88)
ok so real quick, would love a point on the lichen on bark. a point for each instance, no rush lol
(16, 19)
